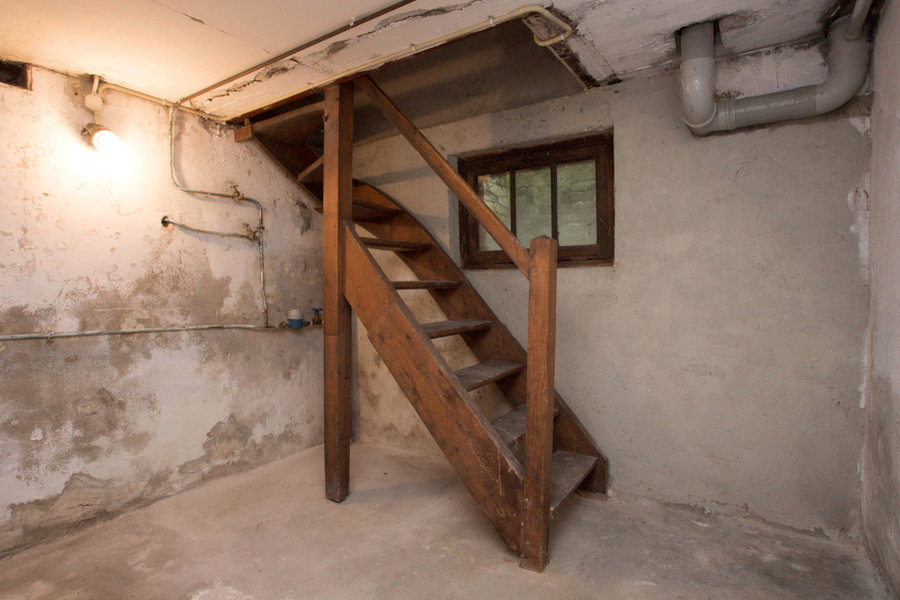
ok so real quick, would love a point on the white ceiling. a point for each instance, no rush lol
(173, 48)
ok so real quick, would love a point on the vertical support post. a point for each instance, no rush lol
(337, 207)
(539, 406)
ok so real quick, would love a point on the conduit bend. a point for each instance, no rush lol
(848, 62)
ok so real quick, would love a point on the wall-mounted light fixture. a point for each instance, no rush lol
(102, 138)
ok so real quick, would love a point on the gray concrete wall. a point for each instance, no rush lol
(91, 425)
(881, 472)
(719, 362)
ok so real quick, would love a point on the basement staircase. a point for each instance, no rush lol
(519, 467)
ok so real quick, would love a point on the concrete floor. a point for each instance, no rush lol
(410, 530)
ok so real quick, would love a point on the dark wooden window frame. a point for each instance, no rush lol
(599, 147)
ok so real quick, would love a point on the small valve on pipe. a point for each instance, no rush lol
(317, 317)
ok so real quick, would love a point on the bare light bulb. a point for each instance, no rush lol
(105, 141)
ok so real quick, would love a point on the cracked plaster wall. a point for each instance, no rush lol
(89, 426)
(719, 362)
(881, 470)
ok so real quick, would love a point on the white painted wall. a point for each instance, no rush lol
(90, 425)
(718, 363)
(881, 474)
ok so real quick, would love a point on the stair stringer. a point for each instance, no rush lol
(465, 302)
(487, 467)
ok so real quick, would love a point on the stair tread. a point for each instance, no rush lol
(362, 210)
(427, 284)
(510, 426)
(369, 211)
(395, 245)
(486, 372)
(453, 327)
(568, 471)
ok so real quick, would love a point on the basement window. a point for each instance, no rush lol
(15, 73)
(563, 190)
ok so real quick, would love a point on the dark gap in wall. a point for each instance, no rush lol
(15, 73)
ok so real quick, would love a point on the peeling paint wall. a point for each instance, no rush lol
(89, 426)
(718, 363)
(881, 460)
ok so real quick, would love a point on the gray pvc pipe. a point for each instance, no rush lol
(698, 75)
(848, 62)
(858, 19)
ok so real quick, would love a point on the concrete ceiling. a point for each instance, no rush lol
(173, 48)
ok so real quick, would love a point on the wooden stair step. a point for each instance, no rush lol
(427, 284)
(510, 426)
(395, 245)
(362, 210)
(454, 327)
(487, 372)
(568, 471)
(369, 211)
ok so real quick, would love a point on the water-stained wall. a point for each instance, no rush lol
(881, 462)
(91, 425)
(719, 362)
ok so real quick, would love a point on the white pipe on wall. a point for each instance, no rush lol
(858, 19)
(848, 61)
(698, 75)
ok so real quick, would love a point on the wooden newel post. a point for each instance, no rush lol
(337, 207)
(539, 408)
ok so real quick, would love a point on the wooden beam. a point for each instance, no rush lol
(243, 133)
(539, 406)
(313, 166)
(472, 201)
(337, 208)
(311, 112)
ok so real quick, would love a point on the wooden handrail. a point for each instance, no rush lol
(464, 192)
(539, 403)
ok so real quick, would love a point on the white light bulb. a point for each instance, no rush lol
(108, 143)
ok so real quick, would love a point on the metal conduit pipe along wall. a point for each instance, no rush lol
(848, 60)
(101, 332)
(252, 235)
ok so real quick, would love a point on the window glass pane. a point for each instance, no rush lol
(494, 189)
(576, 203)
(533, 216)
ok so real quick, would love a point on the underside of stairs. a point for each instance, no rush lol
(519, 467)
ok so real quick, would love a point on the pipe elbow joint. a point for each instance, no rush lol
(848, 60)
(698, 73)
(698, 105)
(848, 67)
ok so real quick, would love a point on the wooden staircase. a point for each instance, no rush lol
(519, 467)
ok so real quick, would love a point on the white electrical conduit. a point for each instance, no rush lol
(112, 86)
(848, 61)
